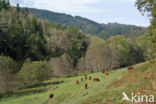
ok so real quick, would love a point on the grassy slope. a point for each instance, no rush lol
(107, 91)
(141, 80)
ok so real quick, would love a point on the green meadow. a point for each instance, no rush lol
(65, 90)
(107, 91)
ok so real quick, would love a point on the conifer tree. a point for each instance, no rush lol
(18, 8)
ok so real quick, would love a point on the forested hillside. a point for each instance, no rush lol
(103, 30)
(33, 50)
(28, 44)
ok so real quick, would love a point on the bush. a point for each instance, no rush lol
(7, 79)
(8, 63)
(33, 72)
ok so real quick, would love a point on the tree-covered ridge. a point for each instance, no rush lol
(128, 31)
(103, 30)
(23, 36)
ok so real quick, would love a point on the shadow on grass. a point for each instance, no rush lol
(27, 92)
(45, 84)
(36, 88)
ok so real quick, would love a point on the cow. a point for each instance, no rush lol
(86, 85)
(85, 76)
(90, 77)
(77, 82)
(51, 96)
(96, 79)
(130, 68)
(106, 73)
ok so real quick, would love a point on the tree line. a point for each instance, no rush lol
(102, 30)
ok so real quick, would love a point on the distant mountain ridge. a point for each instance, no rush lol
(102, 30)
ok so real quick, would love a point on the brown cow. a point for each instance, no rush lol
(51, 96)
(96, 79)
(85, 76)
(77, 82)
(90, 77)
(86, 86)
(130, 68)
(106, 73)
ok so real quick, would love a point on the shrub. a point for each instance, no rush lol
(7, 79)
(33, 72)
(8, 63)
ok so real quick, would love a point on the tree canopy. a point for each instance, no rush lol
(149, 6)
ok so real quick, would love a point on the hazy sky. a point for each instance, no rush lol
(102, 11)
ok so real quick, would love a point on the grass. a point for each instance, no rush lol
(107, 91)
